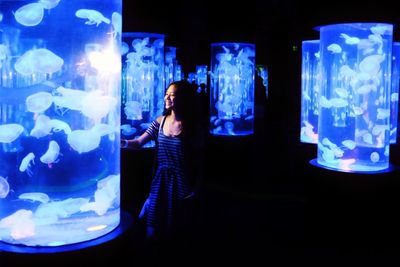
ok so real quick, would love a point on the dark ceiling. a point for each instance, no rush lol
(275, 26)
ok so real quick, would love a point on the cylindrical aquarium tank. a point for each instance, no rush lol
(178, 73)
(232, 89)
(354, 117)
(310, 83)
(394, 95)
(170, 64)
(142, 82)
(201, 78)
(60, 86)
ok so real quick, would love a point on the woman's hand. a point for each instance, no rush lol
(131, 143)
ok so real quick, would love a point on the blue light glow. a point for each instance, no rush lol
(354, 103)
(310, 83)
(232, 89)
(60, 80)
(143, 83)
(394, 94)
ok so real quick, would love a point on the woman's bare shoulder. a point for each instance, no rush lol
(159, 119)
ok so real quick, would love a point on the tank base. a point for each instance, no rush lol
(315, 163)
(125, 224)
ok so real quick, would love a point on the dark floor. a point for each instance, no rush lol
(260, 203)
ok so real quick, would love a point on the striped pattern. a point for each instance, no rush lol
(168, 187)
(153, 130)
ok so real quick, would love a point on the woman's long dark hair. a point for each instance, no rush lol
(186, 106)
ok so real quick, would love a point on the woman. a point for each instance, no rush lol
(178, 141)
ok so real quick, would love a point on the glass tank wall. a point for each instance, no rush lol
(60, 83)
(310, 83)
(170, 64)
(201, 78)
(142, 82)
(178, 73)
(394, 95)
(354, 115)
(232, 89)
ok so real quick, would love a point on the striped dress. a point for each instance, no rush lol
(169, 186)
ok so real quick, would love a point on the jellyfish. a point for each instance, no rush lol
(47, 61)
(93, 16)
(84, 140)
(127, 129)
(371, 64)
(51, 154)
(39, 102)
(49, 4)
(20, 223)
(350, 144)
(383, 113)
(350, 40)
(30, 14)
(48, 213)
(229, 126)
(133, 110)
(107, 193)
(58, 125)
(380, 29)
(139, 44)
(124, 48)
(116, 21)
(4, 187)
(334, 48)
(374, 157)
(39, 60)
(103, 129)
(26, 163)
(10, 132)
(69, 98)
(97, 106)
(35, 196)
(42, 126)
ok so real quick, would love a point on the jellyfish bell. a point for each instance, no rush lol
(47, 61)
(26, 163)
(42, 126)
(93, 16)
(97, 106)
(39, 60)
(371, 64)
(69, 98)
(51, 154)
(10, 132)
(49, 4)
(30, 14)
(4, 187)
(39, 102)
(124, 48)
(35, 196)
(116, 21)
(84, 140)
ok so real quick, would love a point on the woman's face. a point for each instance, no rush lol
(170, 97)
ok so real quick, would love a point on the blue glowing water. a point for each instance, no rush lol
(232, 89)
(143, 86)
(60, 79)
(310, 83)
(394, 95)
(170, 64)
(354, 115)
